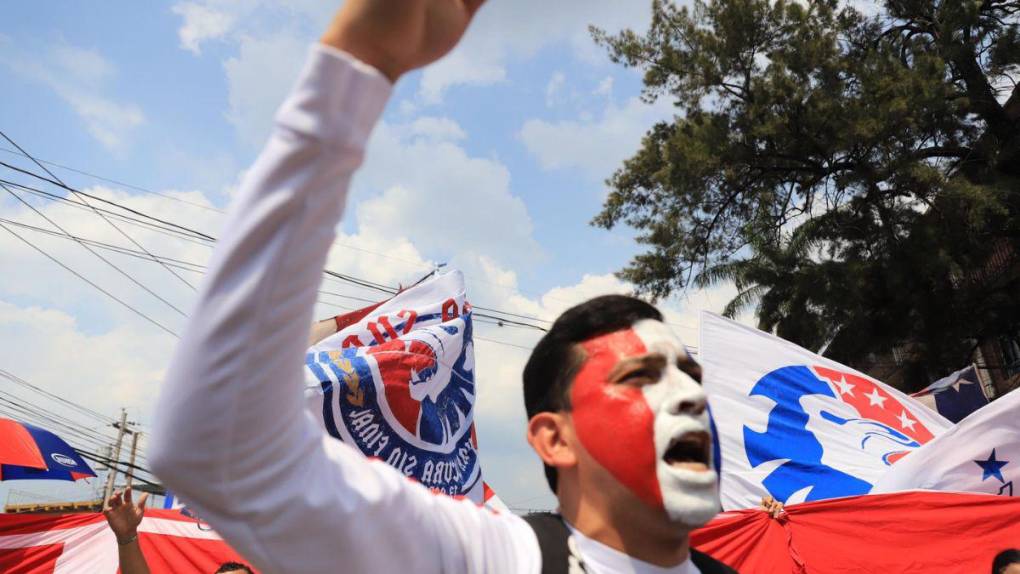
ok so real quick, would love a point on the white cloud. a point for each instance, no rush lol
(458, 68)
(503, 31)
(605, 87)
(443, 199)
(119, 367)
(80, 76)
(593, 146)
(438, 129)
(202, 22)
(108, 121)
(554, 88)
(84, 65)
(258, 79)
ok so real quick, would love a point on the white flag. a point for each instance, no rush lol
(980, 454)
(798, 426)
(397, 382)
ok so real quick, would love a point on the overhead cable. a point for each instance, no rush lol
(125, 304)
(96, 211)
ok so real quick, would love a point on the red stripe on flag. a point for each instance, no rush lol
(174, 554)
(31, 560)
(905, 532)
(172, 543)
(31, 523)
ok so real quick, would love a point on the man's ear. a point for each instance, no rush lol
(552, 437)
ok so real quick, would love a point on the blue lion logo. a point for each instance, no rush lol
(788, 438)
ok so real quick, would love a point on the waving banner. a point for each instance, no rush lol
(956, 395)
(397, 381)
(980, 454)
(798, 426)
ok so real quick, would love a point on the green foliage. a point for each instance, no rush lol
(852, 174)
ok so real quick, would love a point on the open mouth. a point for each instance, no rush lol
(689, 450)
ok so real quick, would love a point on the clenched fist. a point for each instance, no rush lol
(396, 36)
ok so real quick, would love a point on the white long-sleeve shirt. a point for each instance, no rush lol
(232, 435)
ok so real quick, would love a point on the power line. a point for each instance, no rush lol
(87, 280)
(522, 347)
(145, 256)
(52, 417)
(106, 201)
(72, 431)
(110, 463)
(115, 182)
(96, 211)
(85, 410)
(92, 251)
(198, 268)
(220, 211)
(363, 283)
(501, 317)
(81, 438)
(148, 225)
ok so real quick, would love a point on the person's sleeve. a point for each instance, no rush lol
(232, 436)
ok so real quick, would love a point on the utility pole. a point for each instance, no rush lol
(134, 449)
(122, 428)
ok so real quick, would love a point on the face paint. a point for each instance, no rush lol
(613, 421)
(628, 428)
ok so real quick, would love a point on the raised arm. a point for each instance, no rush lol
(232, 436)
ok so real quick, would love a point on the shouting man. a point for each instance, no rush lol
(617, 414)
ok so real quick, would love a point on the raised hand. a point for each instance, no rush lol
(396, 36)
(124, 515)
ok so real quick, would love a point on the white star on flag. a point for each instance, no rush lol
(906, 421)
(845, 388)
(876, 398)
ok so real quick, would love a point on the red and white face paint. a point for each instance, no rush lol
(629, 428)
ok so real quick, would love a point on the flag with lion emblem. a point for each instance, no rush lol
(397, 382)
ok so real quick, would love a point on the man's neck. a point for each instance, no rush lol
(663, 544)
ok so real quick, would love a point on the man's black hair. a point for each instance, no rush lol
(1004, 559)
(557, 358)
(232, 567)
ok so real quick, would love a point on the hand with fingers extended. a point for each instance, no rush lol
(396, 36)
(124, 515)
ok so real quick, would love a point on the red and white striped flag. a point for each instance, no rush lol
(84, 543)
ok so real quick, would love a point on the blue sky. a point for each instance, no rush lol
(492, 160)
